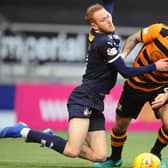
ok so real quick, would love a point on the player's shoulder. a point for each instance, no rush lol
(103, 37)
(153, 29)
(101, 40)
(157, 26)
(96, 37)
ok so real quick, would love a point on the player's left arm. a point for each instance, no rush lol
(109, 5)
(112, 56)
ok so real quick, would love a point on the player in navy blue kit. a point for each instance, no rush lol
(86, 132)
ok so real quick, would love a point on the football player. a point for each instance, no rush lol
(86, 130)
(148, 87)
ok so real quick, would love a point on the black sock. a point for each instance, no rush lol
(116, 153)
(160, 143)
(118, 139)
(158, 146)
(51, 141)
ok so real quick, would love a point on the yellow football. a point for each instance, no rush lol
(146, 160)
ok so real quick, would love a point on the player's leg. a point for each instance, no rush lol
(96, 138)
(12, 131)
(128, 107)
(82, 109)
(119, 136)
(45, 138)
(162, 139)
(51, 141)
(77, 133)
(95, 147)
(15, 130)
(92, 148)
(118, 139)
(88, 145)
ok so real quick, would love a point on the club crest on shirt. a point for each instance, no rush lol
(87, 112)
(111, 51)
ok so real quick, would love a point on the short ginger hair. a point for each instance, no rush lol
(91, 10)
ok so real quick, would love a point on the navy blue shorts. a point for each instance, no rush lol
(132, 101)
(86, 103)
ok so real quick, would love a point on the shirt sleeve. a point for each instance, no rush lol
(109, 51)
(126, 71)
(109, 5)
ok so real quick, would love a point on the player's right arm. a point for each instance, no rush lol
(145, 35)
(130, 43)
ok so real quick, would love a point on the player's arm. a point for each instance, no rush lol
(109, 5)
(113, 57)
(125, 71)
(145, 35)
(130, 43)
(159, 100)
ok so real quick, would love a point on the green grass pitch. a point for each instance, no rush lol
(15, 153)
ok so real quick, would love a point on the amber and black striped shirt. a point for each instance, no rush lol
(155, 39)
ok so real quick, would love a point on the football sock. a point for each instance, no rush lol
(117, 142)
(51, 141)
(116, 153)
(161, 142)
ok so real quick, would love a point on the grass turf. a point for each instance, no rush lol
(15, 153)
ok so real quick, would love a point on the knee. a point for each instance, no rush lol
(165, 125)
(121, 125)
(98, 158)
(101, 158)
(166, 128)
(119, 128)
(73, 153)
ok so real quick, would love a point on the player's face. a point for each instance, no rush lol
(103, 21)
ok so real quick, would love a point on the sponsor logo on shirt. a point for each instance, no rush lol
(111, 51)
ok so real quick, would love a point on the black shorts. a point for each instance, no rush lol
(132, 101)
(86, 103)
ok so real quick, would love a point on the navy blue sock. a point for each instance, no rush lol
(51, 141)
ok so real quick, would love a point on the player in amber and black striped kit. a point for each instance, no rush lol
(149, 87)
(86, 132)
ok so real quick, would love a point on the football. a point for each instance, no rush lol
(146, 160)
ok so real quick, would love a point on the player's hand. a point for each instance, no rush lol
(160, 100)
(162, 64)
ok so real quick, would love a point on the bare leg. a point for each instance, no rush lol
(93, 149)
(77, 133)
